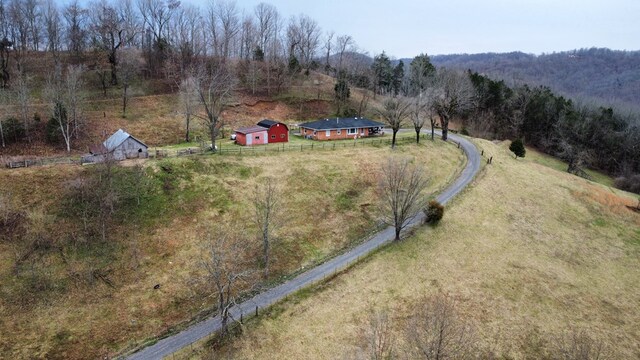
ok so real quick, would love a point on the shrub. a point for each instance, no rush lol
(434, 212)
(464, 131)
(629, 183)
(13, 130)
(517, 147)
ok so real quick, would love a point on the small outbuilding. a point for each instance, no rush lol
(254, 135)
(119, 146)
(341, 128)
(277, 131)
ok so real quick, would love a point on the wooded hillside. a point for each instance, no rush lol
(603, 75)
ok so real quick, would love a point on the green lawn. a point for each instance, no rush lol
(557, 164)
(294, 140)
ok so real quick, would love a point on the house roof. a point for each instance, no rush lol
(341, 123)
(117, 139)
(269, 123)
(250, 130)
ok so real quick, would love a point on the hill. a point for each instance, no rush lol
(602, 75)
(528, 255)
(70, 291)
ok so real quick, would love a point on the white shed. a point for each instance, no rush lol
(119, 146)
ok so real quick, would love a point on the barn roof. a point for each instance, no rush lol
(250, 130)
(117, 139)
(269, 123)
(341, 123)
(98, 149)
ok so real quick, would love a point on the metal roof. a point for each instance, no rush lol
(250, 130)
(269, 123)
(118, 138)
(341, 123)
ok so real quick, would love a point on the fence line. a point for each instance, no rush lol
(231, 150)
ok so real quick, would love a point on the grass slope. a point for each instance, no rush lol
(527, 253)
(330, 202)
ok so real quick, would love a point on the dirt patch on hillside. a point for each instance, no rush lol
(249, 112)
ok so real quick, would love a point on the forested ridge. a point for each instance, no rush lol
(597, 74)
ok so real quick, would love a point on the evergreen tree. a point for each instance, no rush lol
(398, 77)
(342, 93)
(517, 147)
(421, 71)
(382, 73)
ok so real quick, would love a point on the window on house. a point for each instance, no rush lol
(328, 133)
(281, 136)
(339, 131)
(352, 131)
(257, 137)
(273, 136)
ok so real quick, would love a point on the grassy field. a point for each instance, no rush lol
(77, 316)
(529, 254)
(555, 163)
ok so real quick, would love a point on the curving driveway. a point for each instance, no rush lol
(206, 327)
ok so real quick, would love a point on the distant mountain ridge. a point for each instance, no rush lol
(606, 76)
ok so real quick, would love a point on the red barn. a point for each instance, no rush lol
(278, 132)
(249, 136)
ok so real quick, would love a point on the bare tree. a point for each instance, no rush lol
(214, 86)
(75, 96)
(344, 43)
(189, 102)
(53, 27)
(108, 33)
(132, 26)
(156, 15)
(226, 270)
(224, 23)
(267, 216)
(129, 64)
(266, 18)
(436, 332)
(395, 112)
(418, 117)
(55, 91)
(64, 93)
(378, 336)
(328, 44)
(401, 187)
(187, 37)
(75, 18)
(32, 14)
(453, 94)
(22, 93)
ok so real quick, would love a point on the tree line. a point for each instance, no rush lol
(584, 135)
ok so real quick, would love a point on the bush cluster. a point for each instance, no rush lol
(433, 212)
(629, 183)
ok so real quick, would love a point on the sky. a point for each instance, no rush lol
(405, 28)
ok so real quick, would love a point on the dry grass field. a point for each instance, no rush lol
(51, 306)
(528, 254)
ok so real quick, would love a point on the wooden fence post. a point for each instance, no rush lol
(482, 153)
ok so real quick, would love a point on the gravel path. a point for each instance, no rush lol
(206, 327)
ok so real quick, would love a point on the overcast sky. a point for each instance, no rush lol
(405, 28)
